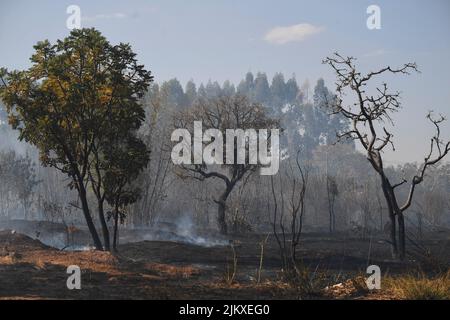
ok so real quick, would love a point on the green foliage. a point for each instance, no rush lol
(73, 93)
(124, 160)
(174, 94)
(79, 103)
(191, 92)
(213, 90)
(262, 90)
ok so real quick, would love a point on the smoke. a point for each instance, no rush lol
(182, 230)
(55, 235)
(59, 241)
(48, 233)
(9, 141)
(186, 230)
(9, 137)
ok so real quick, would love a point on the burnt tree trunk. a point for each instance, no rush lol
(87, 215)
(401, 235)
(221, 212)
(116, 228)
(388, 192)
(105, 230)
(221, 218)
(330, 207)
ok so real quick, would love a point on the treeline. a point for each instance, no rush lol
(106, 147)
(27, 190)
(306, 121)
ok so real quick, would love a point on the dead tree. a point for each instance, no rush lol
(287, 214)
(369, 114)
(332, 193)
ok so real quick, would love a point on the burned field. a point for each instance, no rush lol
(119, 183)
(335, 267)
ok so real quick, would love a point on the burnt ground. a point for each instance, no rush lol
(176, 270)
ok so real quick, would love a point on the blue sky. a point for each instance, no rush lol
(222, 40)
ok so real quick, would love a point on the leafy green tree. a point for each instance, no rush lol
(331, 123)
(64, 102)
(245, 87)
(174, 93)
(190, 92)
(313, 122)
(228, 89)
(262, 90)
(292, 90)
(201, 91)
(124, 158)
(278, 90)
(116, 151)
(213, 90)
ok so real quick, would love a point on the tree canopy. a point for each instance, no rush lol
(77, 92)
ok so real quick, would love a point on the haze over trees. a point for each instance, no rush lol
(94, 116)
(226, 113)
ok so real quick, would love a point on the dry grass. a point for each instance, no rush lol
(172, 271)
(350, 288)
(231, 268)
(97, 261)
(307, 283)
(412, 286)
(420, 287)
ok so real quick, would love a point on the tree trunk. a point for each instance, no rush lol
(388, 194)
(221, 219)
(87, 215)
(330, 207)
(221, 213)
(105, 229)
(393, 235)
(334, 216)
(330, 220)
(401, 235)
(116, 228)
(419, 224)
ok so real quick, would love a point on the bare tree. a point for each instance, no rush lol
(287, 213)
(235, 112)
(332, 193)
(156, 178)
(368, 115)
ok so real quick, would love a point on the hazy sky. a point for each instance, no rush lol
(222, 40)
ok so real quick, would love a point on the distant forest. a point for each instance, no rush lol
(343, 192)
(306, 121)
